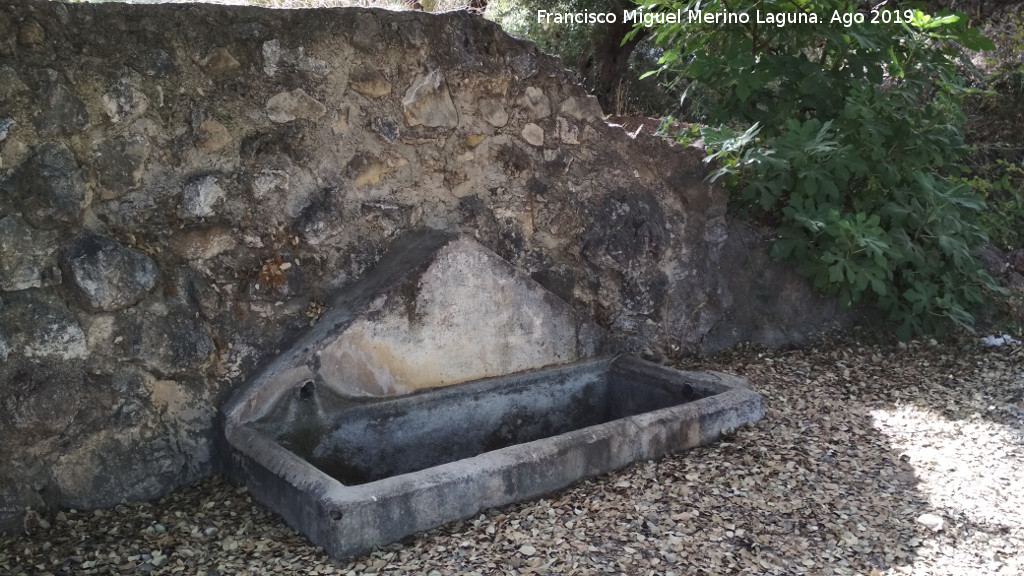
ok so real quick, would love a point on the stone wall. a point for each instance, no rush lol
(182, 188)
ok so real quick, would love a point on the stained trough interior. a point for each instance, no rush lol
(358, 441)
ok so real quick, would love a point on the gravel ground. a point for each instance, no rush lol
(873, 459)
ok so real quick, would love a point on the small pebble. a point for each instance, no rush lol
(932, 521)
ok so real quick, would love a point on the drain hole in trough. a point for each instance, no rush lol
(306, 390)
(336, 514)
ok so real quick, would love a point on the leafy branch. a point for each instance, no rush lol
(852, 152)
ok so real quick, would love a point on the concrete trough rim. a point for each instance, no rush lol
(644, 436)
(679, 412)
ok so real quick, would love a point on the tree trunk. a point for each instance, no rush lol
(610, 62)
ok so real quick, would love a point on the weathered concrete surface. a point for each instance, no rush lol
(436, 310)
(467, 315)
(183, 186)
(355, 476)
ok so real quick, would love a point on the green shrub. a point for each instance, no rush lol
(1007, 62)
(846, 138)
(1001, 184)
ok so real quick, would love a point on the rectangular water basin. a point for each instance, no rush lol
(351, 474)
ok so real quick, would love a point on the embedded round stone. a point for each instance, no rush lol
(370, 82)
(61, 112)
(37, 324)
(533, 134)
(428, 102)
(48, 187)
(107, 275)
(27, 255)
(294, 105)
(535, 103)
(199, 196)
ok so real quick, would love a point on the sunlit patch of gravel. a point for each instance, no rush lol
(873, 459)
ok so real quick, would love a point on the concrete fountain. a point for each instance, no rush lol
(445, 382)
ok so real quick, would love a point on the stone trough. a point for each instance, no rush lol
(356, 448)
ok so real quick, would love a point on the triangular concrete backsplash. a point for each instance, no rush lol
(438, 309)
